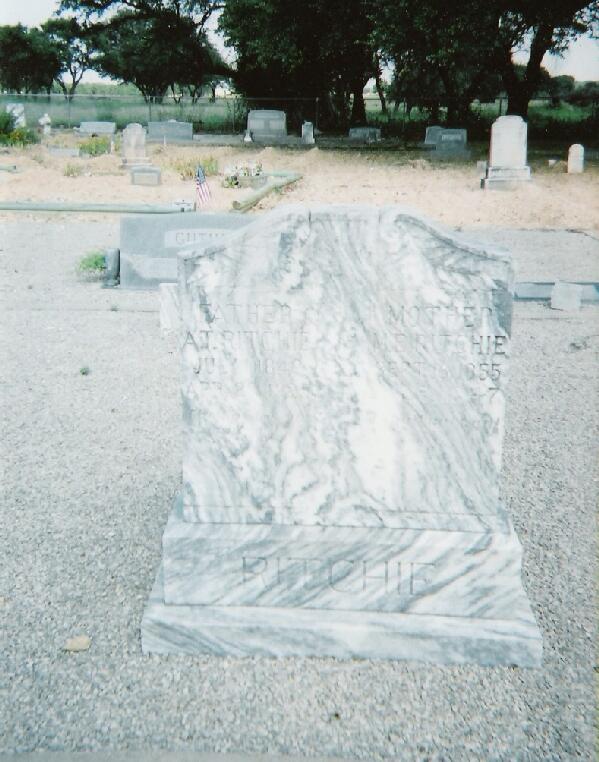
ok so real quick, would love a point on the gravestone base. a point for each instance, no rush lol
(500, 178)
(344, 592)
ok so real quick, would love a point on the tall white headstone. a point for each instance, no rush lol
(133, 146)
(308, 133)
(343, 376)
(575, 159)
(507, 156)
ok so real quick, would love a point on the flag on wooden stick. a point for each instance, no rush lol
(202, 189)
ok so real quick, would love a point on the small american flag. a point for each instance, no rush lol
(202, 189)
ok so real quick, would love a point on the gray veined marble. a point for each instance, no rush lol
(343, 375)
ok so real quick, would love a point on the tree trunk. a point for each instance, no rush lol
(358, 110)
(520, 92)
(379, 85)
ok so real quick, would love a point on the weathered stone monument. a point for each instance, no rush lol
(575, 159)
(267, 125)
(451, 144)
(145, 175)
(149, 243)
(431, 134)
(308, 133)
(133, 146)
(343, 374)
(18, 112)
(96, 128)
(365, 134)
(170, 131)
(507, 159)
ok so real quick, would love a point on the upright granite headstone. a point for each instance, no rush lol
(149, 243)
(431, 134)
(170, 131)
(451, 144)
(264, 125)
(365, 134)
(133, 147)
(343, 375)
(507, 159)
(575, 159)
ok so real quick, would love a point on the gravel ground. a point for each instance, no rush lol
(91, 463)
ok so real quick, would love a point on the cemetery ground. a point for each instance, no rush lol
(91, 452)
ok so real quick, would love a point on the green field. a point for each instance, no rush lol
(228, 115)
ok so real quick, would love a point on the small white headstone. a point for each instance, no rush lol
(308, 133)
(566, 296)
(18, 111)
(45, 122)
(576, 159)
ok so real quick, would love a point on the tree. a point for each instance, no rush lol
(29, 61)
(547, 27)
(289, 49)
(440, 51)
(155, 54)
(75, 44)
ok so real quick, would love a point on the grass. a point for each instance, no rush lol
(95, 146)
(92, 262)
(187, 167)
(72, 170)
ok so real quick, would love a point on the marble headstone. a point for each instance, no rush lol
(576, 159)
(507, 156)
(343, 374)
(45, 122)
(133, 147)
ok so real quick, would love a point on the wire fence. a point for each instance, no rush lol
(228, 114)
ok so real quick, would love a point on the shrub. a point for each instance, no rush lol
(187, 167)
(92, 262)
(20, 136)
(7, 122)
(73, 170)
(95, 146)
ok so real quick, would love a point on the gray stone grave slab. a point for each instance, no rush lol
(171, 131)
(149, 243)
(451, 144)
(264, 125)
(145, 175)
(431, 134)
(97, 128)
(507, 158)
(343, 379)
(365, 134)
(70, 153)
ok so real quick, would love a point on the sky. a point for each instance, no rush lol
(580, 61)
